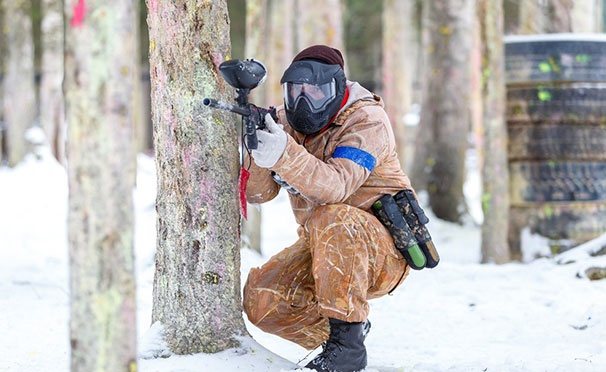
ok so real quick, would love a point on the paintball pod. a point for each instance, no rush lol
(406, 220)
(244, 75)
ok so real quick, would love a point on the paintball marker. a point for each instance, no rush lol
(244, 75)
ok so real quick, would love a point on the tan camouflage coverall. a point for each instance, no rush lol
(344, 256)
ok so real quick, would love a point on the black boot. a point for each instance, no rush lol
(344, 351)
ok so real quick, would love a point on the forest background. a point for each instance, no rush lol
(366, 61)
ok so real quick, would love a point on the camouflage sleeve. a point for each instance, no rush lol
(336, 178)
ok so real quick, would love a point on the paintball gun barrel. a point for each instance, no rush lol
(244, 75)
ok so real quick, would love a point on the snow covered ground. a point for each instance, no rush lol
(460, 316)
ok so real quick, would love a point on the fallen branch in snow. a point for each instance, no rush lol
(587, 254)
(592, 248)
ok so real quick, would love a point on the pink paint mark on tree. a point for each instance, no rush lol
(220, 268)
(189, 156)
(153, 5)
(217, 59)
(79, 12)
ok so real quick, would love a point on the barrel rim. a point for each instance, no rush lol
(586, 36)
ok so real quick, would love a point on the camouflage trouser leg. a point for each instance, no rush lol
(343, 258)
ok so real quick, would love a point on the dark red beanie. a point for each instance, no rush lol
(321, 53)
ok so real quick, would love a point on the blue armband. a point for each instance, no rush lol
(356, 155)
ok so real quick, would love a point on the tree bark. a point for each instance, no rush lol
(51, 94)
(255, 46)
(269, 39)
(446, 106)
(144, 123)
(574, 16)
(197, 278)
(99, 62)
(532, 17)
(320, 22)
(399, 66)
(281, 47)
(495, 171)
(18, 83)
(2, 73)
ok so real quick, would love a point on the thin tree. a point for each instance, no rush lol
(255, 46)
(51, 95)
(399, 67)
(532, 17)
(144, 123)
(555, 16)
(280, 47)
(269, 38)
(573, 16)
(495, 180)
(2, 72)
(445, 117)
(197, 279)
(100, 61)
(18, 83)
(320, 22)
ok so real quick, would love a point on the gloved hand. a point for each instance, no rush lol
(272, 142)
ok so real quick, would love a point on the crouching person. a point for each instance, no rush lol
(333, 149)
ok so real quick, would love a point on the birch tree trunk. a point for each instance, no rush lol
(197, 279)
(18, 84)
(446, 106)
(495, 171)
(100, 60)
(51, 94)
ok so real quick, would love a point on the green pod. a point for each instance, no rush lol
(415, 257)
(416, 219)
(386, 210)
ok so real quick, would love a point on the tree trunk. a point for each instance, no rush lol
(18, 83)
(144, 124)
(587, 16)
(197, 279)
(532, 17)
(255, 46)
(99, 65)
(559, 16)
(574, 16)
(446, 107)
(2, 73)
(399, 66)
(420, 166)
(281, 47)
(495, 172)
(269, 39)
(320, 22)
(51, 95)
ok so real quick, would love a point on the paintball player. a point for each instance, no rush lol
(333, 150)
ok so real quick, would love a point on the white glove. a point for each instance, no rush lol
(272, 142)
